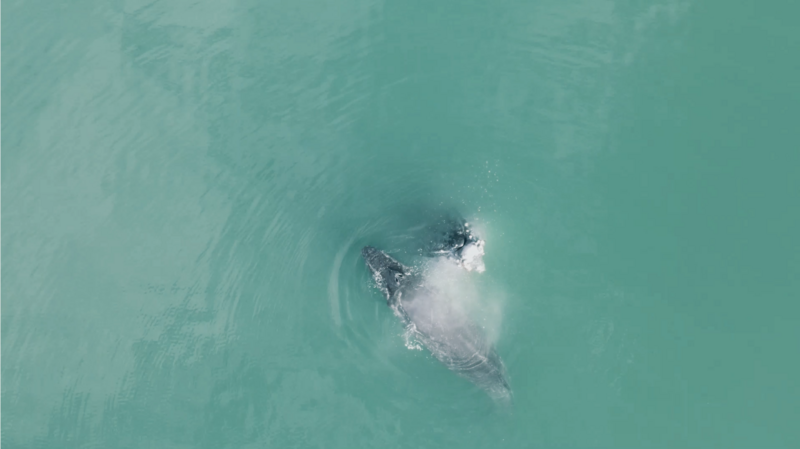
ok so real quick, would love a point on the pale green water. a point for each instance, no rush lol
(187, 184)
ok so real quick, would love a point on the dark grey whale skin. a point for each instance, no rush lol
(448, 236)
(454, 340)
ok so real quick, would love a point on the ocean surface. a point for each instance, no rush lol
(187, 185)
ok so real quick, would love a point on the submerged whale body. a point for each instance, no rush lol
(446, 331)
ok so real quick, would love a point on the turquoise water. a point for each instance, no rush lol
(187, 185)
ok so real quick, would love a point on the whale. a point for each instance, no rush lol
(446, 331)
(451, 237)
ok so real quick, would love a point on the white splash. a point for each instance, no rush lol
(460, 295)
(472, 257)
(410, 338)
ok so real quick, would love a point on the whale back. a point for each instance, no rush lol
(453, 338)
(439, 323)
